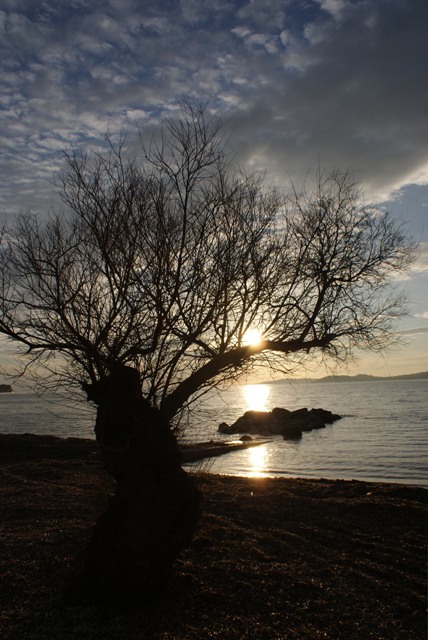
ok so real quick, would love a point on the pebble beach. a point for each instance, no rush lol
(274, 559)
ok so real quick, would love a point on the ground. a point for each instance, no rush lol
(273, 559)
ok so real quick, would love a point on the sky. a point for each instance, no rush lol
(301, 83)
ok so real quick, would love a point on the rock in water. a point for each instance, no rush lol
(279, 421)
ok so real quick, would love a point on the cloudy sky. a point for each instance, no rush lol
(340, 83)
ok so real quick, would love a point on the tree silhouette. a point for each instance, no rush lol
(145, 292)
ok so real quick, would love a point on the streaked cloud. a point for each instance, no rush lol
(417, 330)
(421, 263)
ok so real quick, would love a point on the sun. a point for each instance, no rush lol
(252, 337)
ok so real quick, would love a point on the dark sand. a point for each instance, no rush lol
(274, 559)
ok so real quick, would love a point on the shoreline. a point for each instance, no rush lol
(274, 558)
(380, 445)
(195, 457)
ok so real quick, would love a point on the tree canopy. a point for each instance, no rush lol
(170, 260)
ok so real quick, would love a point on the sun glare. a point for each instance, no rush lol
(256, 397)
(257, 459)
(253, 337)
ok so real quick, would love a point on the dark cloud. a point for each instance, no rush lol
(340, 82)
(354, 95)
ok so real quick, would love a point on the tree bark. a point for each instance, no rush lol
(156, 506)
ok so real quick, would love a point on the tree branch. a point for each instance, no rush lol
(232, 359)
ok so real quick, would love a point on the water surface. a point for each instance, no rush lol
(383, 435)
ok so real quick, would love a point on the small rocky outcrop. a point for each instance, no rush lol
(289, 424)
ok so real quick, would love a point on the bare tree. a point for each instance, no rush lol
(147, 289)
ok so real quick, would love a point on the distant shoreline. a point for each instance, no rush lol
(360, 377)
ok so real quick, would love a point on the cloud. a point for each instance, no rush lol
(334, 7)
(417, 331)
(355, 98)
(340, 83)
(421, 263)
(332, 81)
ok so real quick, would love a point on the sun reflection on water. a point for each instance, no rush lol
(256, 397)
(257, 461)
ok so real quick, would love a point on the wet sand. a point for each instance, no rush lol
(273, 559)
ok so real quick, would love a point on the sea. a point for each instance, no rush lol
(381, 437)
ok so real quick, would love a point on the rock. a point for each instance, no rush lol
(307, 421)
(297, 413)
(280, 414)
(292, 432)
(326, 416)
(223, 427)
(255, 422)
(5, 388)
(246, 439)
(280, 421)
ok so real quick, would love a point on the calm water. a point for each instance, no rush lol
(383, 435)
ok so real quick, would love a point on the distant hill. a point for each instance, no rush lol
(361, 377)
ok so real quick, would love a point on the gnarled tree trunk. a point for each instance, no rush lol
(156, 507)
